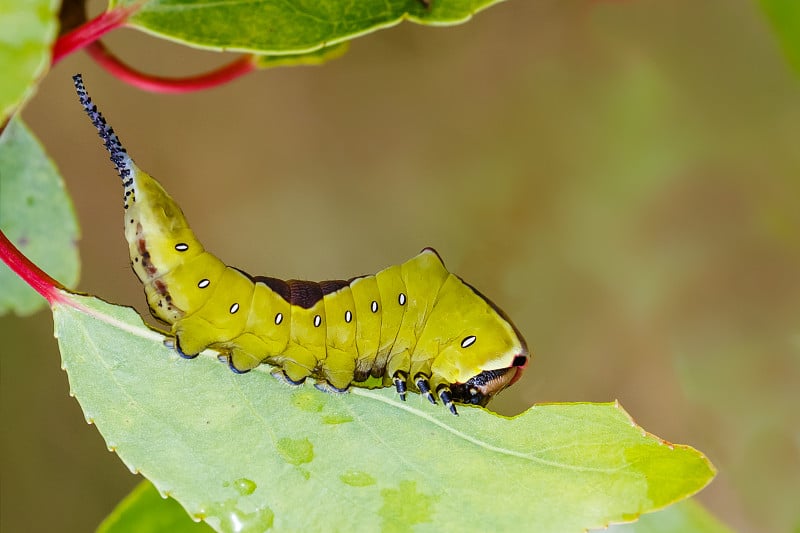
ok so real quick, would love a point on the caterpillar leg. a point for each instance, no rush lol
(338, 369)
(241, 361)
(297, 370)
(424, 386)
(399, 379)
(233, 367)
(324, 386)
(174, 344)
(280, 375)
(447, 398)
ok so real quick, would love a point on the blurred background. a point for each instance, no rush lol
(623, 178)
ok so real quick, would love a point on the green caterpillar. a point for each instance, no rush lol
(412, 320)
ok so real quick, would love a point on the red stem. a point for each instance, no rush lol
(89, 32)
(29, 272)
(87, 35)
(158, 84)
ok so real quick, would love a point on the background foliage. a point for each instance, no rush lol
(641, 225)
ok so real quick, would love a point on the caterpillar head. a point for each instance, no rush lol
(497, 373)
(482, 353)
(479, 389)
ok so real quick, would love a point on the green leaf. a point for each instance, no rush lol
(245, 452)
(36, 214)
(687, 517)
(784, 15)
(281, 27)
(145, 511)
(27, 32)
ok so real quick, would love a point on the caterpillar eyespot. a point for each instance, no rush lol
(337, 332)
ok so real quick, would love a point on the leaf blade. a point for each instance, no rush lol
(275, 27)
(785, 20)
(145, 511)
(37, 215)
(687, 516)
(200, 433)
(27, 32)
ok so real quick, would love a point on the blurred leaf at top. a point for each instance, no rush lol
(27, 31)
(36, 214)
(246, 453)
(784, 15)
(281, 27)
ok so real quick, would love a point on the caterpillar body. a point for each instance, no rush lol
(416, 326)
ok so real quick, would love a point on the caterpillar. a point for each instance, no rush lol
(415, 326)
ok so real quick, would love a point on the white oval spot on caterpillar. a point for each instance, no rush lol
(468, 341)
(278, 318)
(317, 321)
(402, 299)
(203, 283)
(374, 306)
(181, 246)
(348, 316)
(235, 307)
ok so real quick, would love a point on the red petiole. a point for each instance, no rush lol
(87, 37)
(158, 84)
(29, 272)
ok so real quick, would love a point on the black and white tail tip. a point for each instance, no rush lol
(119, 155)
